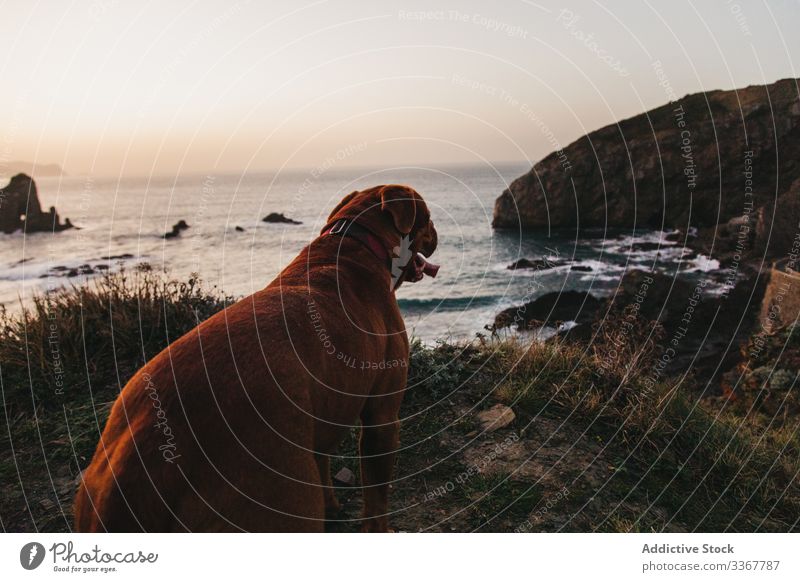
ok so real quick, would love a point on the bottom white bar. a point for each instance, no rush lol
(348, 557)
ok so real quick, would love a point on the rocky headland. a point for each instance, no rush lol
(700, 161)
(20, 209)
(721, 171)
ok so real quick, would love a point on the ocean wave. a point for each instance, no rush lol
(32, 269)
(449, 303)
(702, 264)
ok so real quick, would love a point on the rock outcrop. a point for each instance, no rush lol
(781, 305)
(279, 218)
(698, 161)
(550, 309)
(177, 228)
(697, 331)
(538, 264)
(777, 229)
(20, 208)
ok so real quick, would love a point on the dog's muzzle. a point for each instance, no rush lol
(420, 267)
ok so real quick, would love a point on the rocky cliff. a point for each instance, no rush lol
(20, 208)
(698, 161)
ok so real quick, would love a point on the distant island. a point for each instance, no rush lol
(8, 169)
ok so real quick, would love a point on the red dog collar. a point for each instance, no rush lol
(345, 227)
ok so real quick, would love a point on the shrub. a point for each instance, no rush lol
(94, 335)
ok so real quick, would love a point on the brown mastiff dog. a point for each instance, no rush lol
(230, 428)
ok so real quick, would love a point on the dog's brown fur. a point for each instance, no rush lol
(229, 427)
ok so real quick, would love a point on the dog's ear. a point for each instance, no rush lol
(401, 204)
(345, 201)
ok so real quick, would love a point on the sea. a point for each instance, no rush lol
(122, 222)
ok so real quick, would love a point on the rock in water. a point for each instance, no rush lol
(578, 306)
(20, 209)
(176, 229)
(278, 217)
(698, 148)
(538, 264)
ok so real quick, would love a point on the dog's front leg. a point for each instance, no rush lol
(378, 444)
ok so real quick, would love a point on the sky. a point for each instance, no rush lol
(112, 87)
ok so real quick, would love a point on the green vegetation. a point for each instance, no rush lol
(766, 378)
(598, 443)
(63, 360)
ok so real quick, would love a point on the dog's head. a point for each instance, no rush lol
(399, 217)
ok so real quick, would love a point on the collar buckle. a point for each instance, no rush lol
(338, 227)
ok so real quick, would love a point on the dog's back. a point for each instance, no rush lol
(192, 430)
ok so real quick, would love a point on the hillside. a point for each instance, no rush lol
(593, 444)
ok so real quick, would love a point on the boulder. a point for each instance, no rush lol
(177, 228)
(279, 218)
(538, 264)
(780, 307)
(679, 165)
(577, 306)
(646, 247)
(345, 477)
(657, 297)
(495, 418)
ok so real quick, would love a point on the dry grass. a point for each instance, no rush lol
(713, 470)
(53, 349)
